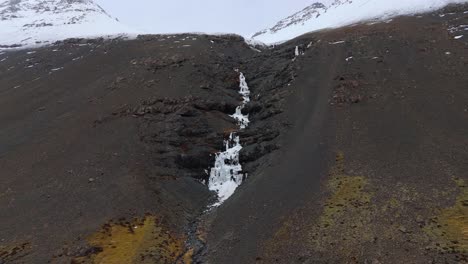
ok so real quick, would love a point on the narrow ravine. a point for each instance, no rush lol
(226, 175)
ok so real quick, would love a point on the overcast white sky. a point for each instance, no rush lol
(212, 16)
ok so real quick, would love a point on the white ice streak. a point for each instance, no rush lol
(243, 120)
(226, 175)
(337, 42)
(458, 28)
(458, 37)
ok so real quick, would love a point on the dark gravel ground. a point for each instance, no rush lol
(356, 152)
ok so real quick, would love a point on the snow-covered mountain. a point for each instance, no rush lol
(336, 13)
(33, 22)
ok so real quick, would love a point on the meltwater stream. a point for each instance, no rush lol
(226, 175)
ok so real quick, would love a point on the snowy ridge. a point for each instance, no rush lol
(337, 13)
(226, 175)
(25, 23)
(314, 10)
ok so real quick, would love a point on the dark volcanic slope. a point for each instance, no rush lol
(356, 152)
(95, 131)
(373, 167)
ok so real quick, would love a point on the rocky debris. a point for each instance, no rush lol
(154, 64)
(348, 91)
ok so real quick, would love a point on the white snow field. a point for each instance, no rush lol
(28, 23)
(336, 13)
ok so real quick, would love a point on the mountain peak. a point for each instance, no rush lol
(32, 22)
(313, 10)
(336, 13)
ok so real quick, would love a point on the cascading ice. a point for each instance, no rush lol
(243, 120)
(226, 175)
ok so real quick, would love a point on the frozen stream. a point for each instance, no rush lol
(226, 175)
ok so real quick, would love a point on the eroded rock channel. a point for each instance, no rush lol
(226, 174)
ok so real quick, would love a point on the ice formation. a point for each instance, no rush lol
(226, 175)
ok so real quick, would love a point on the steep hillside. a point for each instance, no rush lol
(96, 130)
(371, 160)
(355, 149)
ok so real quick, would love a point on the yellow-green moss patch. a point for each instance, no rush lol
(10, 253)
(139, 241)
(347, 194)
(345, 218)
(450, 226)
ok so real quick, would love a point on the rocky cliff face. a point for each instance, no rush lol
(30, 22)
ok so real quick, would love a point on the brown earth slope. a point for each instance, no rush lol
(356, 152)
(94, 131)
(372, 167)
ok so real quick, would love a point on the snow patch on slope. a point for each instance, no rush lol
(26, 23)
(337, 13)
